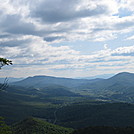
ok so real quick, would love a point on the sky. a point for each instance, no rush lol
(67, 38)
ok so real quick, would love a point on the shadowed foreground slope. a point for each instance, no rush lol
(105, 130)
(38, 126)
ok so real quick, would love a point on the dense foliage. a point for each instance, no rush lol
(38, 126)
(84, 114)
(4, 128)
(105, 130)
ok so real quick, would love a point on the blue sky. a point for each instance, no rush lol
(67, 38)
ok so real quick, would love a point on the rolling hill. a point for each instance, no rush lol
(72, 112)
(71, 103)
(119, 87)
(43, 81)
(37, 126)
(119, 82)
(17, 103)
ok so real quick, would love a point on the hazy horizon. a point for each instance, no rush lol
(103, 76)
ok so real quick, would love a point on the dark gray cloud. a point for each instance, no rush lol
(4, 36)
(14, 25)
(61, 11)
(14, 43)
(53, 38)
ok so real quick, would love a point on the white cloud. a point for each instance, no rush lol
(40, 53)
(83, 19)
(105, 46)
(124, 51)
(127, 4)
(130, 38)
(28, 29)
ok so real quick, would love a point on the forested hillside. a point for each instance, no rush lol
(38, 126)
(69, 106)
(105, 130)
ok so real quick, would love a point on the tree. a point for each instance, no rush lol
(3, 62)
(4, 129)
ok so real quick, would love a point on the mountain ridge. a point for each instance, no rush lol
(123, 78)
(120, 86)
(43, 80)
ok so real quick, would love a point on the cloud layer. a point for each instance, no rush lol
(30, 30)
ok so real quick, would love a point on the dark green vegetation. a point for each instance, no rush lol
(105, 130)
(72, 103)
(38, 126)
(4, 61)
(4, 128)
(84, 114)
(16, 103)
(70, 111)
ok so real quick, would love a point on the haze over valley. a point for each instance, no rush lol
(73, 103)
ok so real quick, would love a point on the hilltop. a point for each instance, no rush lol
(37, 126)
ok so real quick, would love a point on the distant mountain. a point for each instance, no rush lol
(120, 82)
(120, 87)
(10, 79)
(38, 126)
(103, 76)
(42, 81)
(123, 77)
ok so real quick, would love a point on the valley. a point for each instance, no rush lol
(71, 103)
